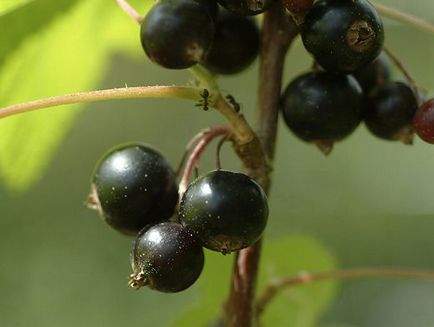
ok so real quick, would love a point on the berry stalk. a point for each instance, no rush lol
(277, 34)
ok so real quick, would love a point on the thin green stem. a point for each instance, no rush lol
(180, 92)
(205, 78)
(272, 290)
(398, 15)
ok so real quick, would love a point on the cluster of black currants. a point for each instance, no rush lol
(135, 190)
(178, 34)
(352, 80)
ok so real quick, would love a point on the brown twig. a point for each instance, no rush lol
(277, 33)
(273, 290)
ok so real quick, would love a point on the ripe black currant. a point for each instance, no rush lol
(373, 74)
(246, 7)
(343, 35)
(227, 211)
(177, 34)
(424, 121)
(390, 110)
(322, 107)
(235, 45)
(166, 257)
(132, 186)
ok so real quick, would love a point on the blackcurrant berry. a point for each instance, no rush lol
(298, 6)
(373, 74)
(177, 34)
(133, 185)
(246, 7)
(166, 257)
(322, 107)
(235, 46)
(343, 35)
(226, 211)
(424, 121)
(390, 111)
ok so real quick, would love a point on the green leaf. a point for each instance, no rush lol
(67, 57)
(9, 5)
(298, 307)
(24, 18)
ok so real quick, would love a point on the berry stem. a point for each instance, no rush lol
(181, 92)
(398, 15)
(398, 63)
(130, 10)
(218, 152)
(208, 136)
(277, 34)
(303, 278)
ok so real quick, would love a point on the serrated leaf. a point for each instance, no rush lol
(299, 307)
(55, 61)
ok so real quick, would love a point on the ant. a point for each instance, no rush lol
(233, 103)
(204, 102)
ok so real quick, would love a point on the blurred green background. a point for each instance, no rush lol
(370, 203)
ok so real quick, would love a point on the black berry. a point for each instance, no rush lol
(132, 186)
(322, 107)
(424, 121)
(390, 111)
(166, 257)
(177, 33)
(227, 211)
(373, 74)
(235, 46)
(343, 35)
(246, 7)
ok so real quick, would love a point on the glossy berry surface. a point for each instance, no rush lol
(166, 257)
(235, 45)
(298, 6)
(177, 34)
(246, 7)
(321, 106)
(424, 121)
(226, 211)
(342, 35)
(390, 111)
(374, 74)
(133, 185)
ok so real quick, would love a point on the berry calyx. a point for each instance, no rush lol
(235, 45)
(322, 107)
(166, 257)
(390, 111)
(424, 121)
(177, 34)
(226, 211)
(246, 7)
(298, 6)
(132, 186)
(343, 35)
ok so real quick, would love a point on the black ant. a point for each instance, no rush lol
(233, 103)
(204, 101)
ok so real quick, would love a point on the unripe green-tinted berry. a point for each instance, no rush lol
(133, 185)
(321, 106)
(246, 7)
(235, 45)
(423, 121)
(226, 211)
(390, 111)
(177, 34)
(166, 257)
(343, 35)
